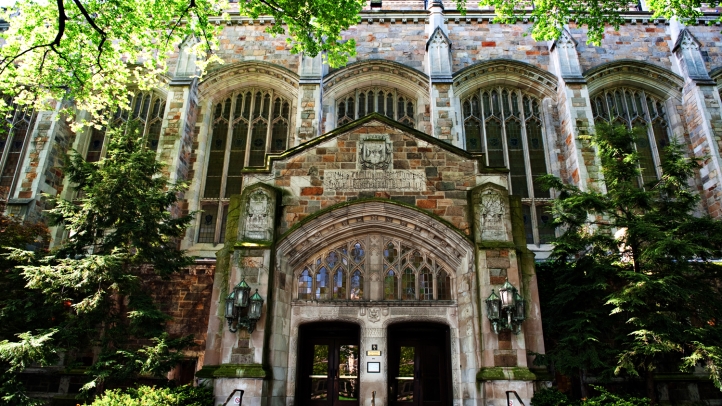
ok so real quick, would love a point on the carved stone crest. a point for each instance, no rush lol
(375, 152)
(374, 315)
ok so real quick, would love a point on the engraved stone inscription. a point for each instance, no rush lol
(374, 180)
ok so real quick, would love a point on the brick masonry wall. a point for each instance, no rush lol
(448, 176)
(186, 297)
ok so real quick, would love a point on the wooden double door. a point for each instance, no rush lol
(419, 365)
(328, 373)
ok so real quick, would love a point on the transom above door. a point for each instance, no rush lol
(403, 271)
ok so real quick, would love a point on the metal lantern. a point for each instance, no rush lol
(242, 291)
(493, 306)
(238, 300)
(507, 310)
(520, 311)
(254, 312)
(507, 295)
(231, 307)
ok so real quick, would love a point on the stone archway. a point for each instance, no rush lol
(375, 223)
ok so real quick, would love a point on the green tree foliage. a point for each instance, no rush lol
(552, 397)
(19, 307)
(120, 231)
(89, 51)
(147, 395)
(550, 16)
(632, 283)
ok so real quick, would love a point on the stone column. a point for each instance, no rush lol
(703, 114)
(438, 67)
(575, 117)
(503, 355)
(239, 360)
(308, 111)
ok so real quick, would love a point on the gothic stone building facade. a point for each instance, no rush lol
(376, 206)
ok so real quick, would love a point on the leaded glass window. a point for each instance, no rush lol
(15, 130)
(389, 102)
(637, 109)
(407, 274)
(506, 125)
(146, 108)
(245, 127)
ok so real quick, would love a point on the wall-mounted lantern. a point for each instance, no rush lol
(507, 310)
(238, 300)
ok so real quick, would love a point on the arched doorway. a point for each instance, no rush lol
(328, 364)
(419, 364)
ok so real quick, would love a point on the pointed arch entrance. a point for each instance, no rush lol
(375, 264)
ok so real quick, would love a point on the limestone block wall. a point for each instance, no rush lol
(648, 41)
(479, 40)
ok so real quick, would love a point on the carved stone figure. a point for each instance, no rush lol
(491, 216)
(258, 218)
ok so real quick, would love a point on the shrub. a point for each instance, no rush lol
(549, 397)
(185, 395)
(609, 399)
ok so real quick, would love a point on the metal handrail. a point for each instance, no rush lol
(517, 397)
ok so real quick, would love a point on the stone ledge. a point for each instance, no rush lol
(505, 374)
(233, 371)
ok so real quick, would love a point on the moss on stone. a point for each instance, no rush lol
(240, 371)
(505, 374)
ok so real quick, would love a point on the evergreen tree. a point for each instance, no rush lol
(632, 283)
(120, 231)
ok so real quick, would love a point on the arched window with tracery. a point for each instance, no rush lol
(637, 109)
(245, 127)
(406, 273)
(506, 125)
(146, 108)
(15, 131)
(386, 101)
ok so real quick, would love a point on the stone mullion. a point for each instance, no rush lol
(650, 135)
(269, 129)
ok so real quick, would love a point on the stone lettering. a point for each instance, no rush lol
(371, 180)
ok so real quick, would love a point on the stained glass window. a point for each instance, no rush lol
(645, 112)
(506, 125)
(245, 127)
(338, 273)
(389, 102)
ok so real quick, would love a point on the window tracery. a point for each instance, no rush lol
(15, 130)
(145, 107)
(506, 124)
(407, 273)
(637, 109)
(244, 128)
(385, 101)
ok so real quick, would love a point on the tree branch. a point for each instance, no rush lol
(170, 34)
(62, 18)
(90, 20)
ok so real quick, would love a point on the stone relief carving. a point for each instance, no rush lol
(688, 52)
(375, 170)
(375, 152)
(252, 262)
(439, 56)
(492, 212)
(259, 219)
(374, 316)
